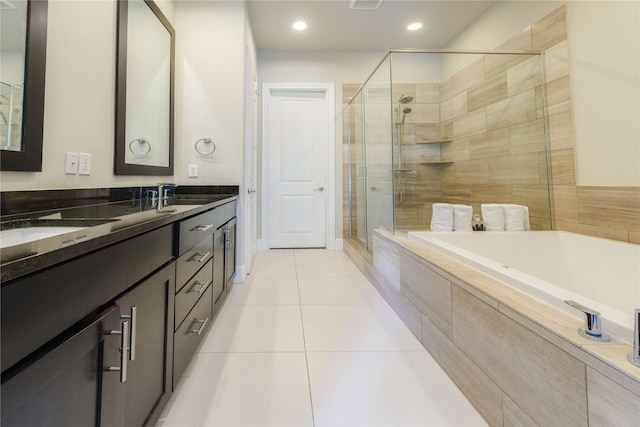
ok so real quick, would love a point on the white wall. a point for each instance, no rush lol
(210, 52)
(321, 67)
(604, 41)
(79, 97)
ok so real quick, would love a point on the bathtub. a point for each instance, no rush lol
(554, 266)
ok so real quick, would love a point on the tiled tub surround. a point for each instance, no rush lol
(555, 266)
(517, 359)
(498, 160)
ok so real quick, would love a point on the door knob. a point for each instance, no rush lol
(318, 189)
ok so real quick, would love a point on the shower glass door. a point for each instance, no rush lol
(357, 172)
(378, 136)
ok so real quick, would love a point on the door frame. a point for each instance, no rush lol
(330, 166)
(251, 137)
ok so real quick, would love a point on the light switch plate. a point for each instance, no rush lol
(84, 164)
(193, 171)
(71, 164)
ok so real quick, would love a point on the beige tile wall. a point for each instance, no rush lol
(491, 109)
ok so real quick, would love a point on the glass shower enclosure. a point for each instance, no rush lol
(446, 127)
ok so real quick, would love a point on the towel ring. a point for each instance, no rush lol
(205, 147)
(140, 147)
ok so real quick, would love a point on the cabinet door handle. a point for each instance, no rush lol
(132, 332)
(202, 257)
(124, 340)
(201, 328)
(202, 227)
(201, 289)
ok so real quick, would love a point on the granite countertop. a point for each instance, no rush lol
(104, 224)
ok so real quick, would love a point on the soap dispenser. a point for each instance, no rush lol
(476, 223)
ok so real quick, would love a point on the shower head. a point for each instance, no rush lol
(405, 99)
(405, 111)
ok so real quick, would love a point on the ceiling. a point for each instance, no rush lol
(332, 25)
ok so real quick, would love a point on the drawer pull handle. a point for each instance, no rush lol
(201, 289)
(124, 341)
(202, 227)
(132, 332)
(201, 328)
(202, 258)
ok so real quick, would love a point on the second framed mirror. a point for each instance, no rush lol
(144, 90)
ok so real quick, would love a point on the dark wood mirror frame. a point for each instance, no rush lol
(121, 167)
(30, 158)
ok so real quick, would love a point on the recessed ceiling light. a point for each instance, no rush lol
(414, 26)
(300, 25)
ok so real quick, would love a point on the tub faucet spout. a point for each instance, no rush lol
(634, 356)
(591, 328)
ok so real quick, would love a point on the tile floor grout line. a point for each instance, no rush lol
(304, 341)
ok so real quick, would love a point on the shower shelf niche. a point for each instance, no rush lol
(435, 162)
(434, 141)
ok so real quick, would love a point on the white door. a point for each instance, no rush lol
(297, 137)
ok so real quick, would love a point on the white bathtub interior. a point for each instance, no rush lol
(555, 266)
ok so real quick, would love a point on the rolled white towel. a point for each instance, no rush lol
(462, 217)
(493, 217)
(514, 217)
(442, 217)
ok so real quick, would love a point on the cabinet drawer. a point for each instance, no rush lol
(192, 291)
(189, 335)
(195, 229)
(193, 260)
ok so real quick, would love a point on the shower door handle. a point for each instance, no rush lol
(364, 168)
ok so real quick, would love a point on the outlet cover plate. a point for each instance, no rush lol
(71, 164)
(84, 164)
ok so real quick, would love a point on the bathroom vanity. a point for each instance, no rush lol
(98, 324)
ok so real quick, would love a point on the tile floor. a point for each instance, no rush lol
(308, 341)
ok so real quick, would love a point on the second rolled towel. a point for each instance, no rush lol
(493, 216)
(462, 217)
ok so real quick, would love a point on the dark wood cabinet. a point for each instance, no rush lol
(66, 384)
(205, 251)
(219, 247)
(189, 335)
(230, 251)
(224, 260)
(56, 341)
(149, 309)
(101, 339)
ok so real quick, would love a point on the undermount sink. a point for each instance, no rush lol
(18, 236)
(29, 230)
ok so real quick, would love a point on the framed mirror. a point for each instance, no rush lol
(23, 52)
(144, 90)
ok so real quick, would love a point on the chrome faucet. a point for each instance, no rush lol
(634, 356)
(592, 329)
(163, 195)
